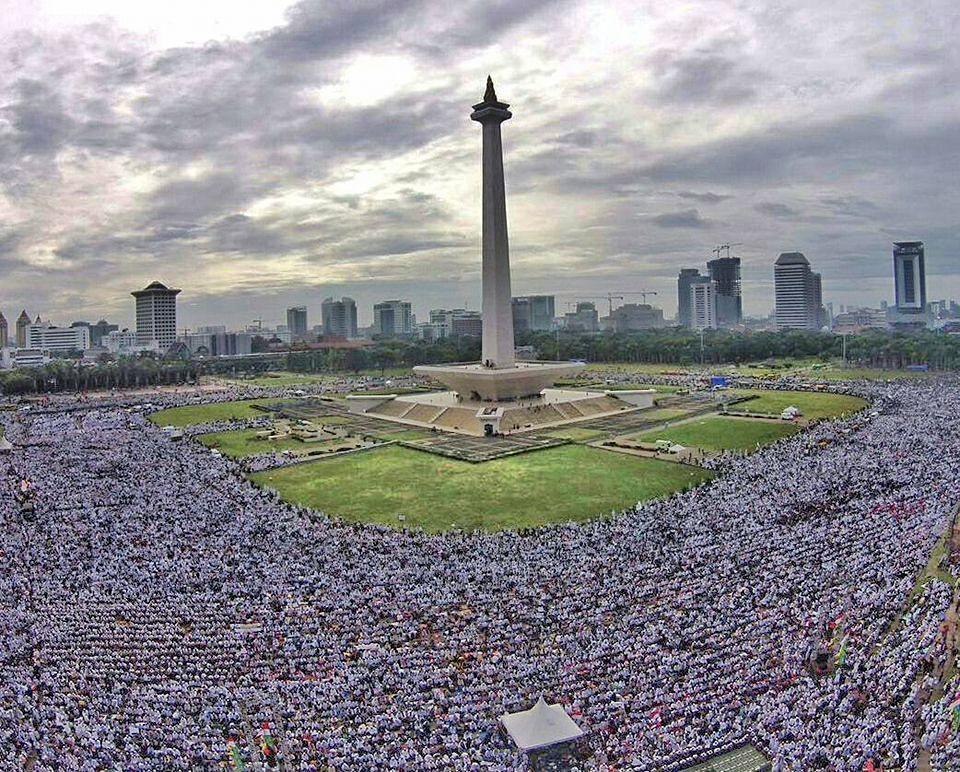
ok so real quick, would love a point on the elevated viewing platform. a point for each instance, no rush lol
(478, 382)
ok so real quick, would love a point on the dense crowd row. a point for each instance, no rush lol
(154, 605)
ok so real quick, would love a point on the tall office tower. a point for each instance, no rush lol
(686, 278)
(393, 317)
(703, 304)
(533, 312)
(297, 322)
(4, 332)
(339, 318)
(725, 271)
(23, 321)
(795, 287)
(910, 277)
(157, 314)
(818, 313)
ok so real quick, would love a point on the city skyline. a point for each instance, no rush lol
(262, 161)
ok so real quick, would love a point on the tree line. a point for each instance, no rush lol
(879, 349)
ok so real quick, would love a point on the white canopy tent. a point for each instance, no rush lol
(540, 727)
(5, 445)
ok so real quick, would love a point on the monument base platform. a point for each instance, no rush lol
(447, 411)
(474, 381)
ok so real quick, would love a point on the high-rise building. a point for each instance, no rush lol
(4, 332)
(584, 319)
(46, 337)
(533, 312)
(817, 310)
(339, 318)
(703, 304)
(798, 294)
(634, 316)
(157, 314)
(466, 324)
(97, 331)
(910, 278)
(297, 322)
(23, 321)
(687, 276)
(393, 317)
(725, 272)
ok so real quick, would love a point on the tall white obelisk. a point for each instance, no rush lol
(497, 311)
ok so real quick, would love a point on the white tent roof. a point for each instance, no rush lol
(541, 726)
(5, 445)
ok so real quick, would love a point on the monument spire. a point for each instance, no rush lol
(490, 96)
(497, 341)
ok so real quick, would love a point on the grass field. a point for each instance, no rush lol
(811, 404)
(575, 433)
(293, 380)
(664, 413)
(573, 482)
(218, 411)
(245, 443)
(719, 433)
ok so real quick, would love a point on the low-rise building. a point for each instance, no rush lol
(46, 337)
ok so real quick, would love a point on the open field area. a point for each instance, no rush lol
(532, 489)
(245, 442)
(293, 380)
(812, 404)
(813, 369)
(188, 415)
(720, 433)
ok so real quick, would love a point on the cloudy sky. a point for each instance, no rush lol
(263, 154)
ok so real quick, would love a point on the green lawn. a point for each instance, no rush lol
(718, 433)
(575, 433)
(573, 482)
(215, 411)
(245, 443)
(288, 379)
(811, 404)
(665, 413)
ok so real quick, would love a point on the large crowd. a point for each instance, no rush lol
(155, 605)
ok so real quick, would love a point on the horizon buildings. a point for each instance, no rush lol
(156, 315)
(798, 292)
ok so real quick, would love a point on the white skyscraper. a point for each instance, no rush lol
(703, 304)
(157, 314)
(797, 293)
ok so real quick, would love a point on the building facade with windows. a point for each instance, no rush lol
(157, 314)
(533, 313)
(339, 318)
(725, 273)
(910, 277)
(297, 322)
(684, 280)
(703, 304)
(60, 340)
(797, 291)
(393, 318)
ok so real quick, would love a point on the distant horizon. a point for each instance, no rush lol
(261, 158)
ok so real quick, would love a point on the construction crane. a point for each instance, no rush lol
(725, 248)
(259, 323)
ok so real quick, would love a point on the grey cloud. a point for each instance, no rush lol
(713, 73)
(780, 211)
(703, 198)
(851, 206)
(688, 218)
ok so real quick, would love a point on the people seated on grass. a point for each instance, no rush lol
(158, 611)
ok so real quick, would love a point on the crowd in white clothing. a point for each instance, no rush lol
(154, 605)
